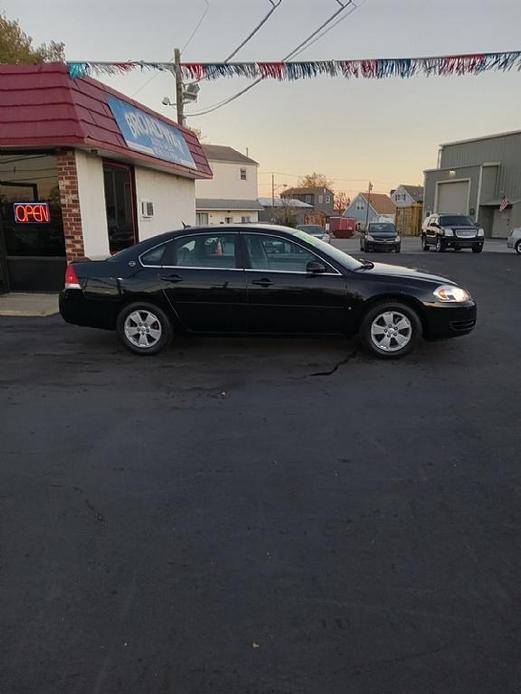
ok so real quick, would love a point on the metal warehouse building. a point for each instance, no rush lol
(475, 177)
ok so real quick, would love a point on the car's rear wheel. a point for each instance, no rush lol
(144, 328)
(390, 330)
(517, 247)
(425, 245)
(477, 249)
(440, 247)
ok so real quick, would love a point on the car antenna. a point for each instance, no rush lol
(186, 226)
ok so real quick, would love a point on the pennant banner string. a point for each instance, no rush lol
(371, 68)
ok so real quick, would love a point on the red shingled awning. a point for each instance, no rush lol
(42, 107)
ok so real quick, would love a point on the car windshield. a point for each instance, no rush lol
(455, 220)
(382, 228)
(344, 259)
(312, 229)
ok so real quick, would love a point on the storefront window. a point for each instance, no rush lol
(33, 227)
(120, 206)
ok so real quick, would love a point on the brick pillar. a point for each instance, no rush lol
(70, 204)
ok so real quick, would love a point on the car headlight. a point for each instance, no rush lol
(449, 294)
(481, 232)
(398, 239)
(369, 237)
(448, 232)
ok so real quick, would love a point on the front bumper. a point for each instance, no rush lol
(469, 242)
(449, 320)
(382, 245)
(510, 242)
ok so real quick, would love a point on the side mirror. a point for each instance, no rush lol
(315, 268)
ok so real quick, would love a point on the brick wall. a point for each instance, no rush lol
(70, 204)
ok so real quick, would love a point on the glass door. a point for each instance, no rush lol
(119, 199)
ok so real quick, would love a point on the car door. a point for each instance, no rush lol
(284, 296)
(203, 279)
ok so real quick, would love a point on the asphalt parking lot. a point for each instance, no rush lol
(264, 516)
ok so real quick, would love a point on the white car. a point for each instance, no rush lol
(514, 240)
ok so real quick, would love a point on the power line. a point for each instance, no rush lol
(228, 100)
(326, 31)
(196, 28)
(275, 4)
(194, 32)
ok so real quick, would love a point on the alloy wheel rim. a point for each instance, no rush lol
(391, 331)
(143, 329)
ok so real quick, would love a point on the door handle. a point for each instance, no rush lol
(264, 282)
(171, 278)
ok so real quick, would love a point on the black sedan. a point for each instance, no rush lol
(380, 236)
(260, 280)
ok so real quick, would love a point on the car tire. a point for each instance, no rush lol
(425, 245)
(397, 249)
(389, 316)
(517, 247)
(477, 249)
(440, 248)
(141, 323)
(457, 248)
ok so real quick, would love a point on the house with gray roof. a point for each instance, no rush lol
(231, 195)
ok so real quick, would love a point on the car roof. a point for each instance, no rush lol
(213, 228)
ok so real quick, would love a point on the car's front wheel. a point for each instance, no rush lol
(477, 249)
(144, 328)
(390, 330)
(440, 246)
(517, 247)
(425, 245)
(398, 248)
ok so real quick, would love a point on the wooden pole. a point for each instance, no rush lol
(179, 87)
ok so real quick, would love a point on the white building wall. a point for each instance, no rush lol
(173, 198)
(93, 211)
(226, 183)
(401, 197)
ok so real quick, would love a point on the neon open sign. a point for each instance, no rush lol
(31, 213)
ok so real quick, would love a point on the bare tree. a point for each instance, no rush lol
(342, 202)
(315, 180)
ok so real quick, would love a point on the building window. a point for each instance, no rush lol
(320, 199)
(328, 199)
(360, 206)
(243, 174)
(201, 219)
(228, 220)
(308, 199)
(246, 220)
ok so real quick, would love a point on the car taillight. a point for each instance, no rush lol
(71, 278)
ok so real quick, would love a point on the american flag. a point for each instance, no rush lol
(504, 204)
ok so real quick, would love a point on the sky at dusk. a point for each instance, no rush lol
(353, 131)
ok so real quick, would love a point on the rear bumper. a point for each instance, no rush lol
(78, 310)
(449, 320)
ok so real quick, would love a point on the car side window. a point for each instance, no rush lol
(154, 256)
(203, 251)
(275, 253)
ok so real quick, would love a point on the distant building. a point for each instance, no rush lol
(480, 178)
(231, 196)
(407, 196)
(282, 210)
(379, 205)
(322, 200)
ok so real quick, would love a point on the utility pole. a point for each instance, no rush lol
(368, 203)
(272, 197)
(179, 87)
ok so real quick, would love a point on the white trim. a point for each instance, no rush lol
(478, 199)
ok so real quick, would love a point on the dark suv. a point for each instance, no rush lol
(455, 231)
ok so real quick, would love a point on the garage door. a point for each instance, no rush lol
(453, 197)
